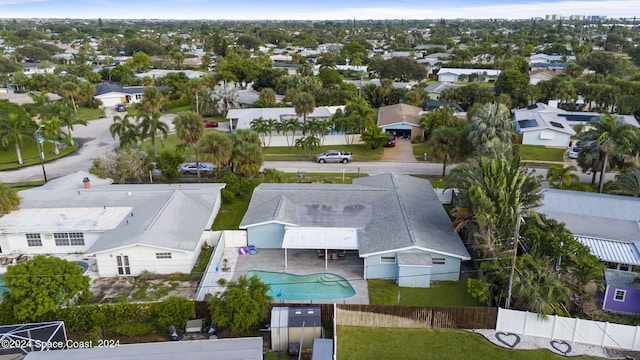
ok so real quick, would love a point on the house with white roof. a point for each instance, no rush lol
(541, 125)
(395, 222)
(242, 118)
(458, 74)
(113, 94)
(127, 229)
(160, 73)
(550, 59)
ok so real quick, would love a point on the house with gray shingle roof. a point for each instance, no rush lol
(112, 94)
(401, 120)
(395, 222)
(541, 125)
(128, 229)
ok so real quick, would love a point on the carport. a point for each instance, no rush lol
(319, 238)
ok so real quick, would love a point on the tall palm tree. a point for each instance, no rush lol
(226, 98)
(152, 101)
(125, 129)
(538, 289)
(15, 124)
(304, 103)
(217, 147)
(491, 121)
(293, 125)
(51, 131)
(70, 91)
(247, 159)
(9, 199)
(195, 87)
(259, 125)
(627, 182)
(68, 118)
(360, 109)
(445, 144)
(149, 126)
(611, 134)
(189, 128)
(561, 177)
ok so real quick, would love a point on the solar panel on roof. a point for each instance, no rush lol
(579, 117)
(556, 124)
(527, 123)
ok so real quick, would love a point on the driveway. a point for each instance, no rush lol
(402, 152)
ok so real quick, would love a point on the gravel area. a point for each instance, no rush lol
(514, 341)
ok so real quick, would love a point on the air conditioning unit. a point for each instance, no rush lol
(48, 236)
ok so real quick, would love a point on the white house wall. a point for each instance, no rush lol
(533, 138)
(144, 258)
(279, 140)
(18, 243)
(449, 271)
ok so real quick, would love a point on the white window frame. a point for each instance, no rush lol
(163, 255)
(619, 292)
(69, 239)
(387, 260)
(33, 239)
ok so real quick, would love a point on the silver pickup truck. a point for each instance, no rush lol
(334, 156)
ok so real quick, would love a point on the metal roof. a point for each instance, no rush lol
(390, 211)
(581, 203)
(619, 252)
(219, 349)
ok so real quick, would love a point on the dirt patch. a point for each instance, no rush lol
(141, 288)
(402, 152)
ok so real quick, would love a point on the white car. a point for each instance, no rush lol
(191, 168)
(574, 152)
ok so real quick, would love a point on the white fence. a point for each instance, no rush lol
(444, 195)
(279, 140)
(235, 238)
(226, 239)
(569, 329)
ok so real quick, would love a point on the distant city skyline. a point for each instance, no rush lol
(317, 10)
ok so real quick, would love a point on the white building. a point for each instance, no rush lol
(128, 229)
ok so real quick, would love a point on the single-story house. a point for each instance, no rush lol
(31, 68)
(585, 215)
(539, 126)
(432, 105)
(128, 229)
(535, 76)
(112, 94)
(457, 74)
(160, 73)
(572, 117)
(550, 59)
(242, 118)
(401, 120)
(434, 90)
(249, 348)
(395, 222)
(22, 98)
(362, 83)
(622, 292)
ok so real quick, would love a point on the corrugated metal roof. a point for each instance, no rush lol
(618, 252)
(579, 203)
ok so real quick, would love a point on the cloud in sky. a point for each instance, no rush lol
(324, 10)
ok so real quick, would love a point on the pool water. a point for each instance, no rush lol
(320, 286)
(2, 288)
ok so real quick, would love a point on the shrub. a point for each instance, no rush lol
(132, 328)
(174, 310)
(178, 103)
(228, 196)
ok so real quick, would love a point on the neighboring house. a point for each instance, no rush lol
(434, 90)
(622, 292)
(129, 229)
(22, 98)
(535, 76)
(160, 73)
(30, 68)
(550, 59)
(242, 118)
(402, 120)
(432, 105)
(395, 222)
(291, 69)
(457, 75)
(541, 125)
(572, 117)
(607, 224)
(362, 83)
(112, 94)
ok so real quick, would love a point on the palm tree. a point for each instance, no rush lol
(247, 159)
(538, 288)
(359, 109)
(561, 177)
(9, 199)
(627, 182)
(125, 129)
(51, 131)
(68, 119)
(445, 144)
(611, 135)
(189, 128)
(226, 98)
(70, 90)
(216, 147)
(304, 103)
(491, 122)
(152, 101)
(195, 87)
(260, 126)
(291, 124)
(373, 136)
(15, 124)
(437, 118)
(149, 126)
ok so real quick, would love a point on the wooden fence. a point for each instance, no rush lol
(417, 316)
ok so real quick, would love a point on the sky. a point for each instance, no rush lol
(313, 10)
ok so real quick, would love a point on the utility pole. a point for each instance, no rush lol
(41, 152)
(516, 236)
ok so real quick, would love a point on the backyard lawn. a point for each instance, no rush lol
(355, 343)
(445, 293)
(540, 153)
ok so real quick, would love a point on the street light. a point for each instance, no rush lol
(41, 151)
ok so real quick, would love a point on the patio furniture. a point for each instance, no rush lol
(175, 335)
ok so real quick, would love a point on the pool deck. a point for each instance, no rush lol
(303, 262)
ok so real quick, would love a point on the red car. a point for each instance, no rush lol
(210, 124)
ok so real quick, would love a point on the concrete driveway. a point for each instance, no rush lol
(402, 152)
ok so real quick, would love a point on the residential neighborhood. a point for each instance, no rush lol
(165, 188)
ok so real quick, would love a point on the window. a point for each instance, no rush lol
(123, 265)
(439, 261)
(620, 295)
(69, 239)
(163, 255)
(33, 240)
(138, 97)
(387, 259)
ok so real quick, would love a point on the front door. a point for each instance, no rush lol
(123, 265)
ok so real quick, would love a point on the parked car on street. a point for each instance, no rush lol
(334, 156)
(574, 152)
(210, 124)
(191, 168)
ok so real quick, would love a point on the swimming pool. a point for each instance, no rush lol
(83, 265)
(320, 286)
(2, 288)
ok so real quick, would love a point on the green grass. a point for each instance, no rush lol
(419, 150)
(89, 114)
(230, 215)
(361, 152)
(30, 156)
(355, 343)
(540, 153)
(445, 293)
(179, 109)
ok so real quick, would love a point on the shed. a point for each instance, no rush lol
(622, 294)
(322, 349)
(295, 325)
(414, 269)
